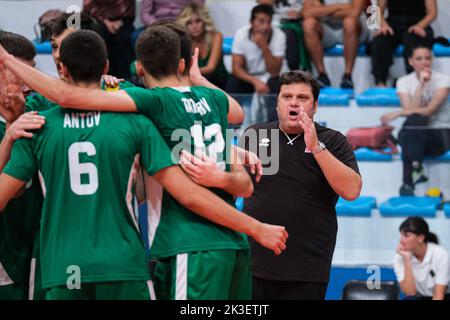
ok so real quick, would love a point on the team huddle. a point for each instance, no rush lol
(95, 156)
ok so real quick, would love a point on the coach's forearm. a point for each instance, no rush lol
(343, 179)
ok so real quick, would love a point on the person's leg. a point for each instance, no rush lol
(382, 50)
(411, 40)
(124, 290)
(313, 33)
(292, 290)
(438, 141)
(413, 142)
(241, 282)
(352, 30)
(292, 48)
(120, 51)
(259, 291)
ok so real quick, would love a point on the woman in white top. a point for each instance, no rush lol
(420, 264)
(424, 99)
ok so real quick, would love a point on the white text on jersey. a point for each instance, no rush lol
(81, 120)
(201, 107)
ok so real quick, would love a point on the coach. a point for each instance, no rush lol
(316, 165)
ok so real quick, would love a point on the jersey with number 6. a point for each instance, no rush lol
(191, 118)
(86, 162)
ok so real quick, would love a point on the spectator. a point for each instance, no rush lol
(287, 16)
(154, 10)
(424, 99)
(328, 24)
(315, 166)
(116, 18)
(421, 264)
(408, 23)
(258, 51)
(200, 25)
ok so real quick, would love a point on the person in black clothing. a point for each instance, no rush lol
(408, 23)
(316, 165)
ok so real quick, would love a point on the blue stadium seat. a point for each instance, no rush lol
(42, 48)
(410, 206)
(442, 158)
(335, 97)
(227, 44)
(338, 50)
(361, 207)
(367, 154)
(385, 97)
(441, 51)
(447, 210)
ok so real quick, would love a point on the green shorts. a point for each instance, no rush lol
(118, 290)
(204, 275)
(15, 291)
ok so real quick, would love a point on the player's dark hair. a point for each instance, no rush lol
(158, 50)
(17, 45)
(185, 40)
(297, 76)
(86, 23)
(84, 54)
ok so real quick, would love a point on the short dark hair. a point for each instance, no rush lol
(261, 8)
(158, 50)
(298, 76)
(418, 226)
(418, 46)
(87, 22)
(17, 45)
(185, 40)
(84, 54)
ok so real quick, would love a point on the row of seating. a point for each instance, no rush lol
(367, 154)
(338, 50)
(393, 207)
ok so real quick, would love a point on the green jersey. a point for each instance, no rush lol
(86, 163)
(19, 222)
(191, 118)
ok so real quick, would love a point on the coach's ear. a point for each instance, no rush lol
(181, 66)
(106, 67)
(139, 69)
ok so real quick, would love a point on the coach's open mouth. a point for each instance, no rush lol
(293, 115)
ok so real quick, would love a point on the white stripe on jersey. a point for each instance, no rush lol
(181, 279)
(32, 279)
(129, 196)
(2, 119)
(182, 89)
(151, 290)
(153, 194)
(41, 180)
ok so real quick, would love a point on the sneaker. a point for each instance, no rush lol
(346, 82)
(323, 80)
(418, 176)
(406, 190)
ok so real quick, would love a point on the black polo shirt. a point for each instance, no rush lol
(298, 197)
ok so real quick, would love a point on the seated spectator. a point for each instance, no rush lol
(330, 23)
(258, 51)
(154, 10)
(408, 23)
(116, 18)
(200, 25)
(426, 131)
(421, 264)
(287, 17)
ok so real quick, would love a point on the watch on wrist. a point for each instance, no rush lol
(321, 146)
